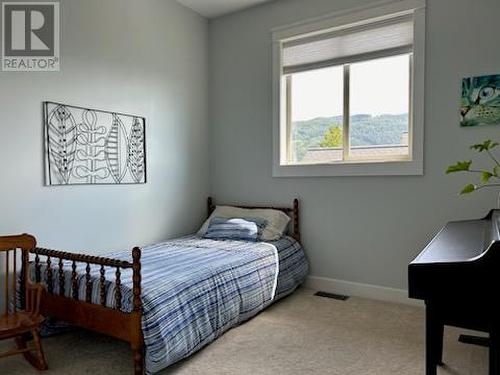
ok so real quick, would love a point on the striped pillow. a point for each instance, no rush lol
(248, 229)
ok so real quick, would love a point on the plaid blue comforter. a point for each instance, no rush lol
(195, 289)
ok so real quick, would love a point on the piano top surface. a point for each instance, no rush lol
(458, 241)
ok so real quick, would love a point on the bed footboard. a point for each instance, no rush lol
(84, 313)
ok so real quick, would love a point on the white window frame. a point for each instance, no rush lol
(412, 165)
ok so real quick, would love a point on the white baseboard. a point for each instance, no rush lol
(360, 290)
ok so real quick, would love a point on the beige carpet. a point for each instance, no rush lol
(300, 335)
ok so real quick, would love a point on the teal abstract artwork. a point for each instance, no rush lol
(480, 101)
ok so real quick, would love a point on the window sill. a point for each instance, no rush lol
(393, 168)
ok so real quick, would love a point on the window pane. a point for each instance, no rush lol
(379, 108)
(316, 111)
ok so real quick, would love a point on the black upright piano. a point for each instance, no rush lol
(458, 277)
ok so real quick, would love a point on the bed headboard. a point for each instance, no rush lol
(293, 212)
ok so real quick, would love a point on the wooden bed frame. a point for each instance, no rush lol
(97, 317)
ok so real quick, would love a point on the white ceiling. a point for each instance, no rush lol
(216, 8)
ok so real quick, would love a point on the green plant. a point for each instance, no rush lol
(488, 178)
(332, 137)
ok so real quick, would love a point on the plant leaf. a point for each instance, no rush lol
(460, 166)
(496, 170)
(468, 189)
(485, 146)
(485, 177)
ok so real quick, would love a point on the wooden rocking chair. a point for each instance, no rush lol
(18, 323)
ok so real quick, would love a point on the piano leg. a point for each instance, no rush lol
(439, 343)
(433, 340)
(494, 352)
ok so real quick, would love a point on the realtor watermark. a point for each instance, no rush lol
(30, 36)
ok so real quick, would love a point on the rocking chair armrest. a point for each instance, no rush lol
(33, 297)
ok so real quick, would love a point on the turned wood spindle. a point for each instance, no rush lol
(137, 340)
(102, 285)
(61, 277)
(38, 269)
(6, 286)
(136, 278)
(14, 282)
(50, 285)
(88, 285)
(118, 295)
(24, 275)
(74, 281)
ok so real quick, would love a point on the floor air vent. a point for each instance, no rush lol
(339, 297)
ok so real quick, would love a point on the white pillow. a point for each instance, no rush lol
(277, 221)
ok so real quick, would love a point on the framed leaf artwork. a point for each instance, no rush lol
(88, 146)
(480, 101)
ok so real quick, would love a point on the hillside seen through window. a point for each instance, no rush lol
(378, 98)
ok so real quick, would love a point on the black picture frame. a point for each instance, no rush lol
(86, 146)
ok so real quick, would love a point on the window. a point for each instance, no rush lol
(346, 98)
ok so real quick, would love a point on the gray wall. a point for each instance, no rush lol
(362, 229)
(140, 57)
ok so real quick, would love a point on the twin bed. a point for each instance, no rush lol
(174, 297)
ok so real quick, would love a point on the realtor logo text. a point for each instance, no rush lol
(30, 36)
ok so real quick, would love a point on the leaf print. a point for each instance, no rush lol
(136, 157)
(62, 137)
(116, 149)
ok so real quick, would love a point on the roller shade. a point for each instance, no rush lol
(377, 39)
